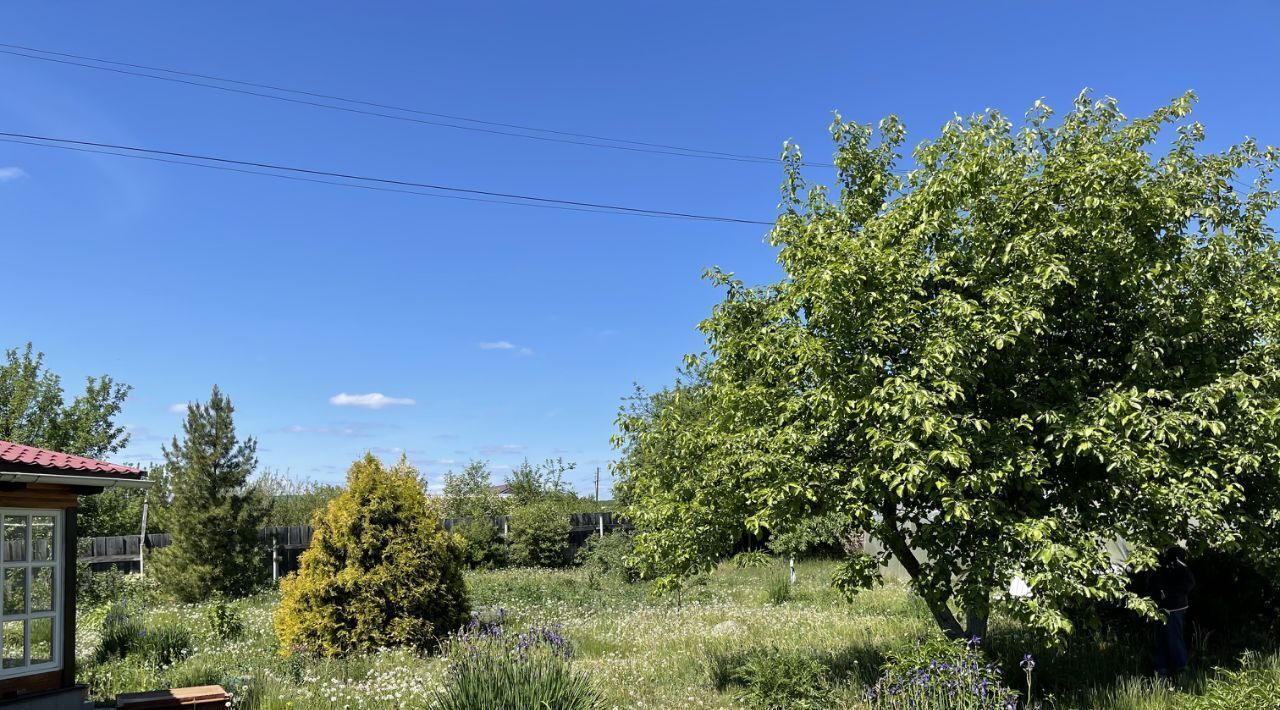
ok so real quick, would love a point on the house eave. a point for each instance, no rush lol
(102, 482)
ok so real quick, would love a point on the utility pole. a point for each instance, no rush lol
(597, 484)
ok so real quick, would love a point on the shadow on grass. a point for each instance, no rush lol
(1094, 669)
(1091, 668)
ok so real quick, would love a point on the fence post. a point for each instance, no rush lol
(792, 564)
(275, 556)
(142, 542)
(600, 517)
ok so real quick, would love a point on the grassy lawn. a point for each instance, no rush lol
(646, 652)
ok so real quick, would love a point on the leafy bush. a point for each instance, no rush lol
(753, 559)
(941, 674)
(539, 535)
(609, 556)
(97, 588)
(490, 668)
(381, 570)
(223, 619)
(483, 548)
(779, 680)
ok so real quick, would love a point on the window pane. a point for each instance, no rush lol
(42, 589)
(42, 538)
(14, 641)
(15, 591)
(15, 538)
(41, 640)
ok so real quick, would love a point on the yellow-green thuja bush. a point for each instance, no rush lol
(381, 570)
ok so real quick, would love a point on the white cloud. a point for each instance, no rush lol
(505, 345)
(178, 408)
(12, 173)
(335, 430)
(501, 449)
(373, 400)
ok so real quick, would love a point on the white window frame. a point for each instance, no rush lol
(59, 594)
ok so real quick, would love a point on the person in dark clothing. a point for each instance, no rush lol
(1170, 587)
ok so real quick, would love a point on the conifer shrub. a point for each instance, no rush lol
(381, 570)
(540, 535)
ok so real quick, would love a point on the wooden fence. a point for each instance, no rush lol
(283, 546)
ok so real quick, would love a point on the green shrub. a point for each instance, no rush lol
(490, 668)
(98, 588)
(539, 535)
(483, 547)
(754, 559)
(609, 557)
(779, 680)
(223, 619)
(381, 570)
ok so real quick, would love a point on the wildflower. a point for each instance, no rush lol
(1028, 663)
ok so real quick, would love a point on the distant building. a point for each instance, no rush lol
(502, 490)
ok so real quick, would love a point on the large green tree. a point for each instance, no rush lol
(34, 411)
(1037, 341)
(214, 513)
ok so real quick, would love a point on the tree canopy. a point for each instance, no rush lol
(470, 493)
(34, 412)
(1038, 340)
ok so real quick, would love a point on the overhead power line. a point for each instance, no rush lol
(351, 180)
(324, 101)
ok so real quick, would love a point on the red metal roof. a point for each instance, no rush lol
(30, 457)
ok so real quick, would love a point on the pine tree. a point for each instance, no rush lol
(214, 515)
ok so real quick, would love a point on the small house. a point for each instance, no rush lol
(38, 490)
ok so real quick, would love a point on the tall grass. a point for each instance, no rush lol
(732, 643)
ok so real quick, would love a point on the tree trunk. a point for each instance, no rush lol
(897, 545)
(975, 623)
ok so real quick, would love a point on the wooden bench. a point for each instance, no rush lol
(203, 697)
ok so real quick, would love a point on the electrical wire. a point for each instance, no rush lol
(482, 126)
(352, 180)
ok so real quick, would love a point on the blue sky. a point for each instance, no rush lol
(490, 331)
